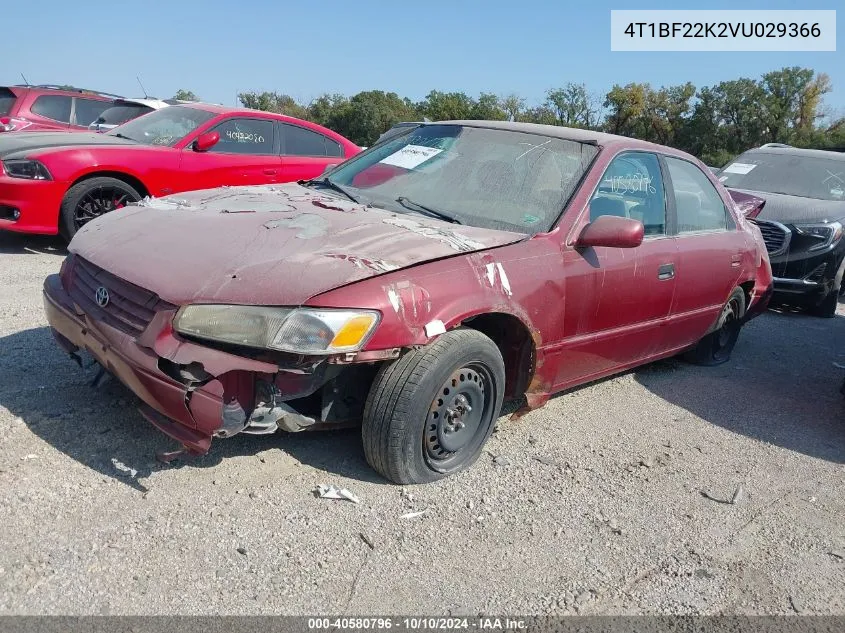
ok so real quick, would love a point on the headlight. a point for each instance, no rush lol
(826, 234)
(295, 330)
(23, 168)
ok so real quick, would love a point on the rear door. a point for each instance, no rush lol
(245, 155)
(306, 153)
(710, 250)
(86, 111)
(618, 300)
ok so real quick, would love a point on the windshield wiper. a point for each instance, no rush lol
(123, 136)
(408, 204)
(331, 185)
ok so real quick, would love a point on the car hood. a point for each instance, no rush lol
(791, 209)
(270, 245)
(23, 145)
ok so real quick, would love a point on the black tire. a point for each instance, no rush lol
(716, 347)
(444, 396)
(92, 198)
(826, 308)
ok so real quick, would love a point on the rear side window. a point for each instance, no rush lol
(87, 110)
(7, 100)
(53, 107)
(116, 115)
(298, 141)
(699, 207)
(632, 187)
(245, 136)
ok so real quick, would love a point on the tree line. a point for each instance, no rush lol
(714, 123)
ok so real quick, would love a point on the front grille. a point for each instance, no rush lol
(775, 235)
(129, 309)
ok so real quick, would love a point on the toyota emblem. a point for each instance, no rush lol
(102, 297)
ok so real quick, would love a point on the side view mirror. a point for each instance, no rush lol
(612, 231)
(750, 206)
(205, 141)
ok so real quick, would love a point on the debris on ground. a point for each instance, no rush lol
(502, 461)
(413, 515)
(241, 551)
(119, 465)
(333, 492)
(367, 540)
(735, 498)
(30, 456)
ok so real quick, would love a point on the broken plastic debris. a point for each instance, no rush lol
(119, 465)
(413, 515)
(434, 328)
(30, 456)
(333, 492)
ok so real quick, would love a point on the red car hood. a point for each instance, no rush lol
(270, 245)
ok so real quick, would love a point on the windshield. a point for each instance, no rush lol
(167, 126)
(122, 113)
(816, 177)
(489, 178)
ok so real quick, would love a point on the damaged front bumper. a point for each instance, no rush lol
(191, 392)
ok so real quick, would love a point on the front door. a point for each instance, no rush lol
(244, 155)
(618, 300)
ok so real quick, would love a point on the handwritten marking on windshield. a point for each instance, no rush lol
(836, 176)
(533, 147)
(630, 183)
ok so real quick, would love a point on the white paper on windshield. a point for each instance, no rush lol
(739, 168)
(410, 156)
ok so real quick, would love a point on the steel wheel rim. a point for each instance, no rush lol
(459, 416)
(727, 333)
(98, 201)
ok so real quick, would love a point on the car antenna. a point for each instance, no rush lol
(146, 96)
(24, 79)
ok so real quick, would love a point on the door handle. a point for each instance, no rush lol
(270, 172)
(736, 260)
(666, 271)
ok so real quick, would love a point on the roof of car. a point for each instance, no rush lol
(144, 101)
(798, 151)
(556, 131)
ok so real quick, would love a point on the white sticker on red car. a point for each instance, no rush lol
(739, 168)
(411, 156)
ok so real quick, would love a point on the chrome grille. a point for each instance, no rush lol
(775, 235)
(129, 309)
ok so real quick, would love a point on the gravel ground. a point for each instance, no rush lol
(592, 505)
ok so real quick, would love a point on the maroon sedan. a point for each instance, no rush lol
(415, 287)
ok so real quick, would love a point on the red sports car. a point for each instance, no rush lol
(413, 288)
(55, 182)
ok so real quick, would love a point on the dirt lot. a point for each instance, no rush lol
(593, 506)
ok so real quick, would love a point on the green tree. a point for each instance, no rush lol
(488, 108)
(370, 113)
(185, 95)
(273, 102)
(573, 106)
(512, 105)
(447, 106)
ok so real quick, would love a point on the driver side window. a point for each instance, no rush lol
(632, 187)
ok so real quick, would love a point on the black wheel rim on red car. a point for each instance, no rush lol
(459, 417)
(100, 200)
(728, 332)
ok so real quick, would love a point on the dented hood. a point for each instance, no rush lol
(269, 245)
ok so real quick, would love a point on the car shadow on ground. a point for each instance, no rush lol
(779, 387)
(18, 244)
(101, 427)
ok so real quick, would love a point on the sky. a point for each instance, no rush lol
(305, 49)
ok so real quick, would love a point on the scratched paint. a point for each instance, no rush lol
(312, 225)
(453, 239)
(379, 265)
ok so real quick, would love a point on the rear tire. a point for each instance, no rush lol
(429, 414)
(90, 199)
(716, 347)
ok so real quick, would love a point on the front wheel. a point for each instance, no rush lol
(429, 414)
(92, 198)
(716, 347)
